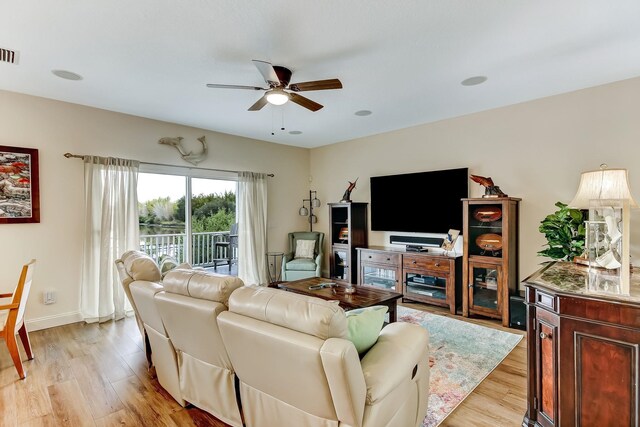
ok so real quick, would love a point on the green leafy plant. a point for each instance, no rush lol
(565, 233)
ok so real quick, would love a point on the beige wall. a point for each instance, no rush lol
(56, 127)
(534, 150)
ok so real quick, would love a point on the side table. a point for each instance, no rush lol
(274, 267)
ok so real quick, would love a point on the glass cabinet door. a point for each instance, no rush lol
(340, 264)
(379, 277)
(484, 286)
(485, 230)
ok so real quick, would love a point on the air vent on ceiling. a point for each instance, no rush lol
(10, 56)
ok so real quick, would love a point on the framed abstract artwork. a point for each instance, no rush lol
(19, 185)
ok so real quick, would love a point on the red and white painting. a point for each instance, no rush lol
(19, 186)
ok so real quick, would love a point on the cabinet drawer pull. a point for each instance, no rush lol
(369, 256)
(544, 335)
(388, 259)
(437, 264)
(414, 261)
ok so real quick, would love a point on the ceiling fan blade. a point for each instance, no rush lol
(259, 104)
(217, 86)
(305, 102)
(267, 71)
(316, 85)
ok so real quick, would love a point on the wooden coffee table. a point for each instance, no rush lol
(363, 297)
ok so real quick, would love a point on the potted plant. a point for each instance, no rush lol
(565, 233)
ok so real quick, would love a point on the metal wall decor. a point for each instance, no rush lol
(191, 157)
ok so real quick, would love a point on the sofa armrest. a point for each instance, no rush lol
(348, 388)
(287, 257)
(319, 264)
(394, 358)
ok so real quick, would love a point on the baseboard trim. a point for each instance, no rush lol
(52, 321)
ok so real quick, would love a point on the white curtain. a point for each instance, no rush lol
(252, 228)
(111, 228)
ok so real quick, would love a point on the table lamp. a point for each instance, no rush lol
(606, 194)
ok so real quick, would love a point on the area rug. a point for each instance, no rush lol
(462, 355)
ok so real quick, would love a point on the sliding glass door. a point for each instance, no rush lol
(213, 230)
(190, 219)
(162, 228)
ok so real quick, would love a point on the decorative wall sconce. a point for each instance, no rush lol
(606, 194)
(314, 202)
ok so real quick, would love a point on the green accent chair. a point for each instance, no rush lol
(302, 268)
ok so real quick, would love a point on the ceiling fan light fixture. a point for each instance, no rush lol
(277, 97)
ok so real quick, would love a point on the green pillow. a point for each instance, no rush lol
(364, 325)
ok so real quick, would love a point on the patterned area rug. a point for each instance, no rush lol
(462, 355)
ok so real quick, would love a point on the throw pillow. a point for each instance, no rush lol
(305, 248)
(364, 326)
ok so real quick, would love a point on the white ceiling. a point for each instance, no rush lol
(403, 60)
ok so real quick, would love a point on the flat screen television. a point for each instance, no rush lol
(423, 202)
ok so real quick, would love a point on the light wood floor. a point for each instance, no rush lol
(500, 400)
(95, 375)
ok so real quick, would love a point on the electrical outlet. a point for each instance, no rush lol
(49, 297)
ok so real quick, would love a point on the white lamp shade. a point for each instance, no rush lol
(303, 211)
(277, 97)
(315, 203)
(604, 184)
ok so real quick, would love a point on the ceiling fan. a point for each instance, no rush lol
(279, 90)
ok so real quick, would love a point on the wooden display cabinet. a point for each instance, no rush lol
(348, 230)
(490, 272)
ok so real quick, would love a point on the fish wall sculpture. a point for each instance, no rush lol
(191, 157)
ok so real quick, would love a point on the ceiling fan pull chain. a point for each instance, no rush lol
(282, 128)
(273, 120)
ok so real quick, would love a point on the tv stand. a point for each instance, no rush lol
(416, 248)
(420, 276)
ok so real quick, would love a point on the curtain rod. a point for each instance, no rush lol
(78, 156)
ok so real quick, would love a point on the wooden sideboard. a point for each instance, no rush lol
(583, 346)
(420, 276)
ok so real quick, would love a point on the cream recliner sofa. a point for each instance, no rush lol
(163, 354)
(132, 266)
(296, 367)
(140, 276)
(189, 306)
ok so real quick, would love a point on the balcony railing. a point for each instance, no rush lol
(208, 248)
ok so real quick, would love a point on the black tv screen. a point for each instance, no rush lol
(423, 202)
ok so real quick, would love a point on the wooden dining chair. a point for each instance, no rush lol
(12, 318)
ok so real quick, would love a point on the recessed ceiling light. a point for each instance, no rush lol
(295, 132)
(472, 81)
(68, 75)
(362, 113)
